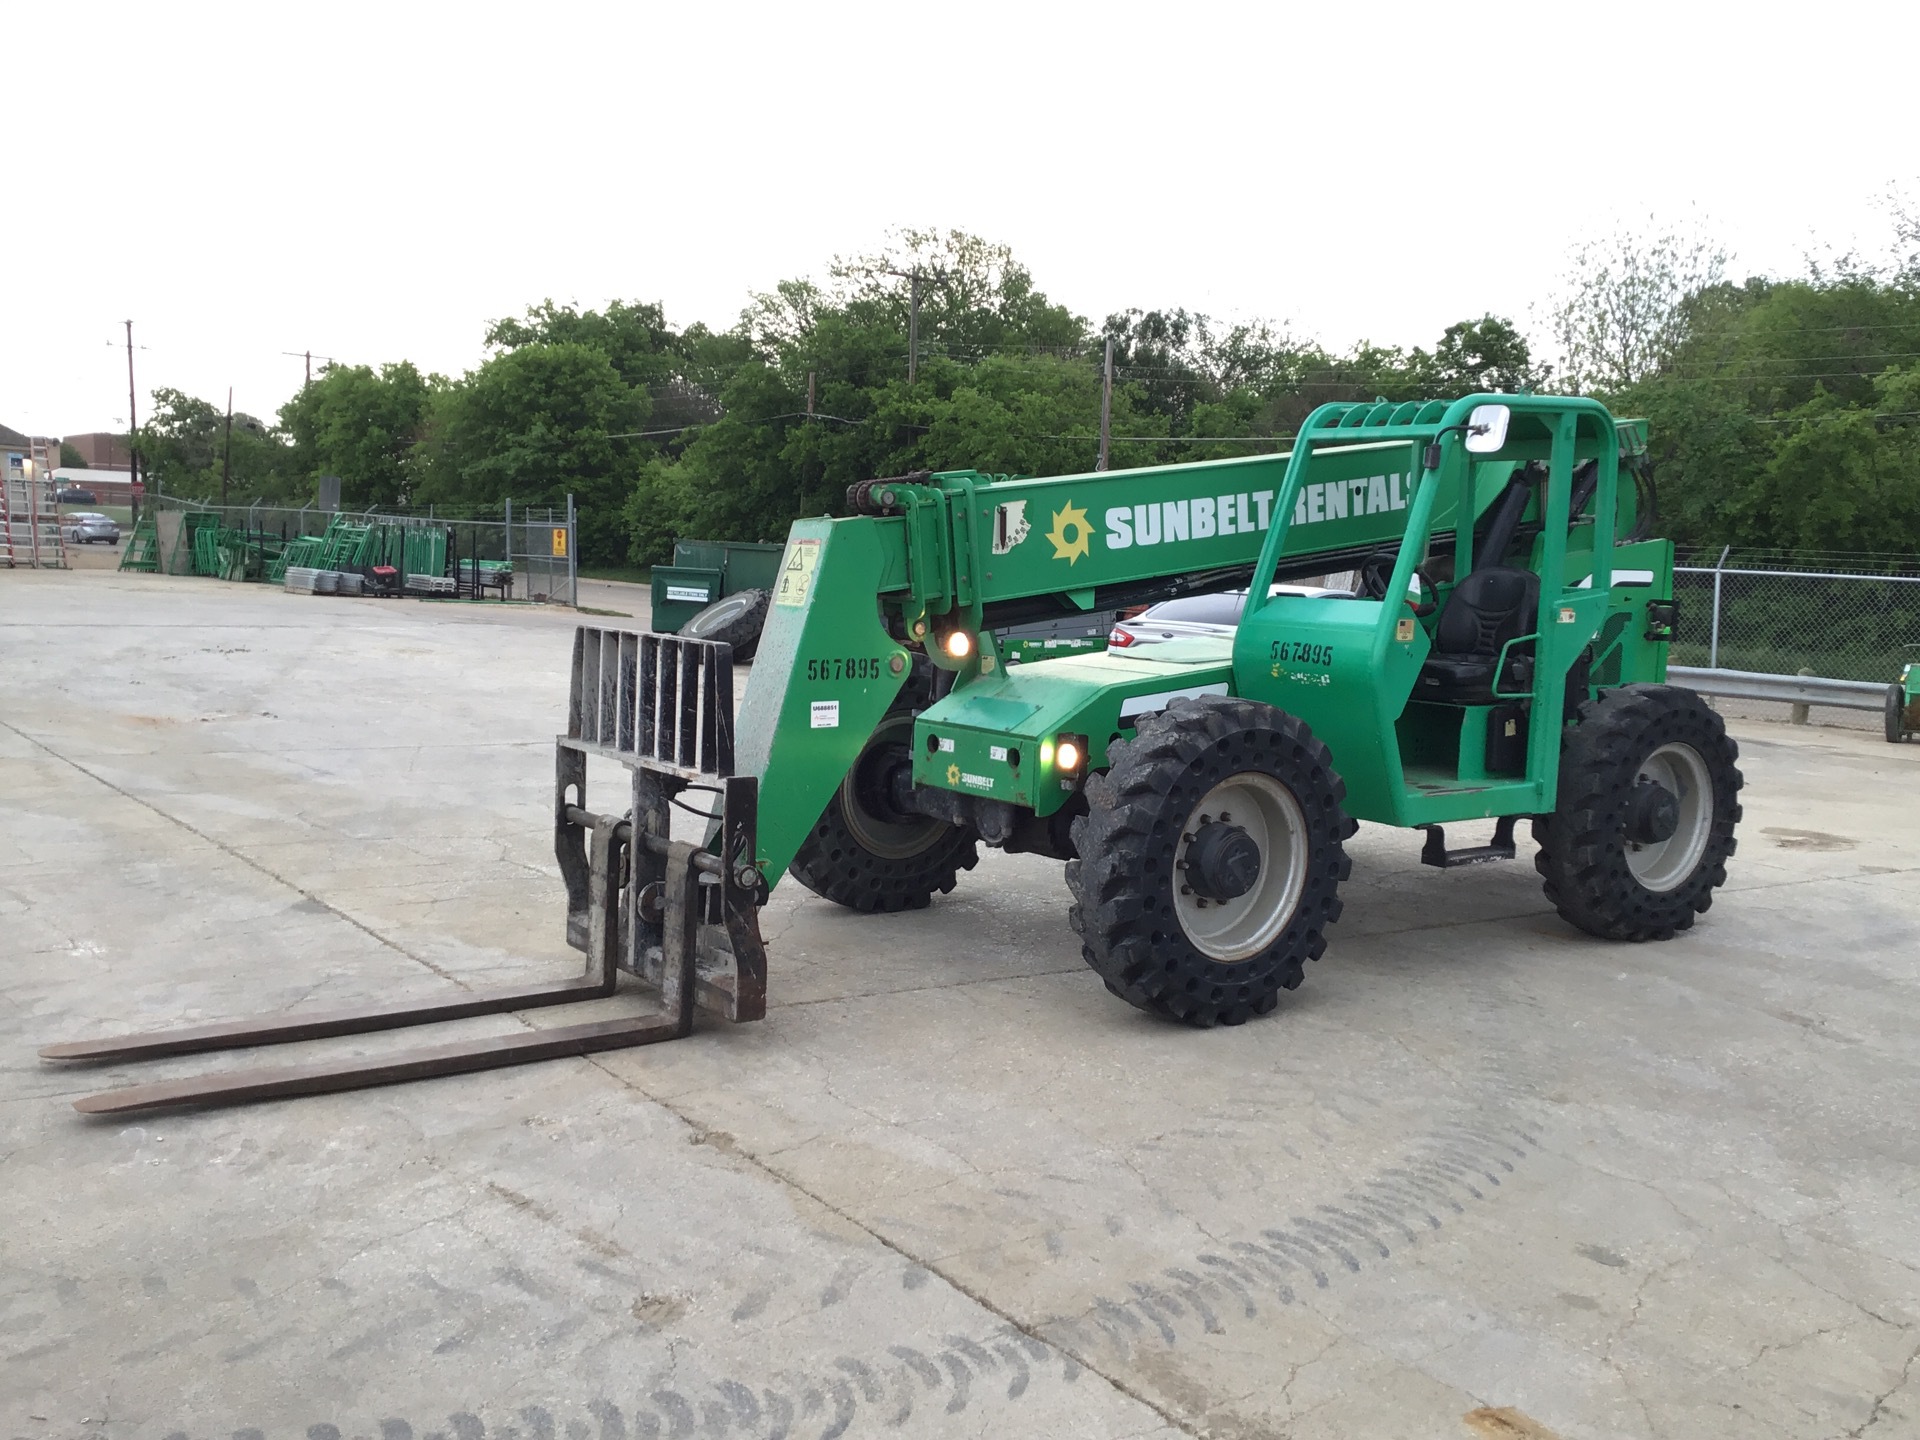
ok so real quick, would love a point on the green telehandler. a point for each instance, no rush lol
(1903, 704)
(1504, 660)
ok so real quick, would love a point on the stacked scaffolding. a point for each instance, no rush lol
(143, 546)
(422, 556)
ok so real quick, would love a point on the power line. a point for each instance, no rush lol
(1850, 414)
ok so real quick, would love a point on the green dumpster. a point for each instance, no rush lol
(704, 571)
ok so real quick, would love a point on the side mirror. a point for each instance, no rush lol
(1487, 429)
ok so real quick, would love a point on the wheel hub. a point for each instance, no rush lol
(1241, 866)
(1669, 818)
(1222, 862)
(1653, 814)
(870, 795)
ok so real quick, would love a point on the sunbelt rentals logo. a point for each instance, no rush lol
(1199, 517)
(1070, 533)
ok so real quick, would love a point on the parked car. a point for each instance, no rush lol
(83, 527)
(74, 495)
(1193, 615)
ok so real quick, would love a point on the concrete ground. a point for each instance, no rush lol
(1482, 1175)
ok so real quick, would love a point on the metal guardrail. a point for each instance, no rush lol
(1788, 689)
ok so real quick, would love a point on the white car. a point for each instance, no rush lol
(83, 527)
(1193, 615)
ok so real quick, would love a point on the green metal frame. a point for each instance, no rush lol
(865, 605)
(1908, 683)
(1357, 700)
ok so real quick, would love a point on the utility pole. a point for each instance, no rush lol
(810, 375)
(306, 355)
(1106, 406)
(913, 332)
(226, 462)
(133, 420)
(913, 321)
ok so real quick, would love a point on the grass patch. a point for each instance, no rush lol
(629, 574)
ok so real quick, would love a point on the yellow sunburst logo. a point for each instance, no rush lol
(953, 775)
(1070, 533)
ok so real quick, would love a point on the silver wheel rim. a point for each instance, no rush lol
(1663, 865)
(1234, 930)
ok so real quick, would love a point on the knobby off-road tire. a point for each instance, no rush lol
(1896, 714)
(734, 620)
(864, 854)
(1606, 869)
(1143, 927)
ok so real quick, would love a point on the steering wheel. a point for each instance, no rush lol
(1376, 574)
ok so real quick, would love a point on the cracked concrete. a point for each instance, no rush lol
(949, 1186)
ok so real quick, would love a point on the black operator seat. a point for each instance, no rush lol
(1493, 604)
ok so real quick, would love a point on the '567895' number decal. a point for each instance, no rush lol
(852, 667)
(1302, 652)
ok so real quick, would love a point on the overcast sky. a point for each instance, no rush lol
(377, 181)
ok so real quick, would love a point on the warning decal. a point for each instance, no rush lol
(796, 573)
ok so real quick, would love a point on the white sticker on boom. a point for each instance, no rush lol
(946, 745)
(1621, 577)
(997, 752)
(1010, 525)
(1567, 617)
(826, 714)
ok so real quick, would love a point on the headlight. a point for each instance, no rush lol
(1066, 753)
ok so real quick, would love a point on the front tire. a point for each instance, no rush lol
(1640, 838)
(864, 854)
(1210, 862)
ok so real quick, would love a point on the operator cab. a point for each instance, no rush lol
(1480, 629)
(1492, 616)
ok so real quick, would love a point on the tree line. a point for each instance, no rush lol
(1785, 413)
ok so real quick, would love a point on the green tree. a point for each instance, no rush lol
(183, 450)
(70, 458)
(364, 426)
(1003, 383)
(633, 337)
(975, 297)
(535, 424)
(1784, 417)
(1624, 303)
(1487, 354)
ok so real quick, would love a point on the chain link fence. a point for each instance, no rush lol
(536, 543)
(1830, 616)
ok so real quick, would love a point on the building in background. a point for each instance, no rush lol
(102, 450)
(35, 460)
(14, 448)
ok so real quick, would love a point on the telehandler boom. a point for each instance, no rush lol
(1505, 660)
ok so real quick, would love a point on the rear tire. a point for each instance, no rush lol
(1608, 869)
(1209, 764)
(1896, 714)
(863, 854)
(734, 620)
